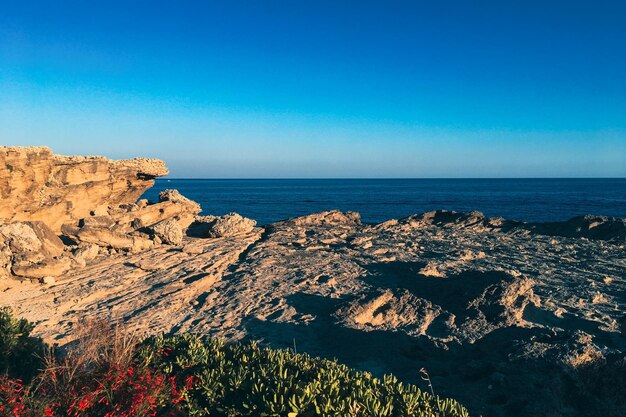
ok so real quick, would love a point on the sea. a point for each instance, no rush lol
(377, 200)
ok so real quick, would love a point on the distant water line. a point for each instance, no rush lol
(535, 200)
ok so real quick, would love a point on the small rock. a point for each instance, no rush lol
(431, 270)
(193, 250)
(47, 280)
(86, 253)
(147, 265)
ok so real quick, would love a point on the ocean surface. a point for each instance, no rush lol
(535, 200)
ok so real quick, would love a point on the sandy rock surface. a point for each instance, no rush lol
(510, 322)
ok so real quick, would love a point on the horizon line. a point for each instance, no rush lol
(385, 178)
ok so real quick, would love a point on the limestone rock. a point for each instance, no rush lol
(132, 217)
(391, 310)
(47, 280)
(36, 184)
(501, 311)
(169, 231)
(229, 225)
(32, 241)
(86, 252)
(48, 268)
(51, 244)
(22, 241)
(326, 218)
(5, 259)
(176, 197)
(112, 239)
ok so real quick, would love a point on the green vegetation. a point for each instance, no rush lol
(109, 373)
(20, 354)
(245, 379)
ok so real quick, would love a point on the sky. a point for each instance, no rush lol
(299, 89)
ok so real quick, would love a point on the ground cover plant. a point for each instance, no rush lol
(107, 372)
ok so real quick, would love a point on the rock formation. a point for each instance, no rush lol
(230, 224)
(90, 202)
(38, 185)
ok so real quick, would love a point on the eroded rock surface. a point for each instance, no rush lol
(514, 311)
(36, 184)
(59, 212)
(230, 224)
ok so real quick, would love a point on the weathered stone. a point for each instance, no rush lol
(51, 245)
(31, 241)
(127, 220)
(169, 231)
(47, 280)
(21, 238)
(229, 225)
(38, 185)
(105, 221)
(86, 253)
(176, 197)
(112, 239)
(50, 267)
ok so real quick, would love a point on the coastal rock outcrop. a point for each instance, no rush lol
(131, 227)
(59, 211)
(589, 226)
(36, 184)
(230, 224)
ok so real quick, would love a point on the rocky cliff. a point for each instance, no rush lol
(58, 212)
(36, 184)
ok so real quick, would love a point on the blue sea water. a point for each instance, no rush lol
(534, 200)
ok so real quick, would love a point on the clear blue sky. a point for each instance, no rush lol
(322, 88)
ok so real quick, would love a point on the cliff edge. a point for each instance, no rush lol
(37, 185)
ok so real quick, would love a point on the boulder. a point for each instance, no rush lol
(48, 268)
(131, 217)
(152, 214)
(112, 239)
(32, 241)
(20, 237)
(51, 244)
(176, 197)
(229, 225)
(169, 231)
(86, 252)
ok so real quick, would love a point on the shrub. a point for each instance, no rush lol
(20, 354)
(108, 373)
(246, 380)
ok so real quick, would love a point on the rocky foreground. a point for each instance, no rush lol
(509, 318)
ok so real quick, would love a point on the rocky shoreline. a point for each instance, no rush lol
(510, 318)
